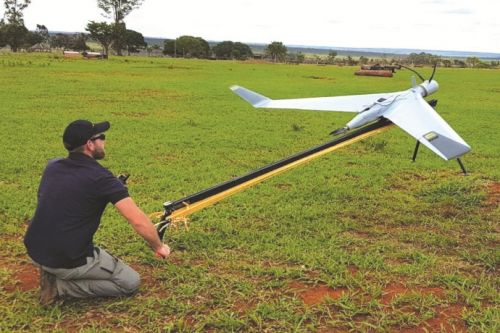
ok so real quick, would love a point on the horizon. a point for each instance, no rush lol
(492, 55)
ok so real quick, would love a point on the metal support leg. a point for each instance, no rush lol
(462, 166)
(416, 151)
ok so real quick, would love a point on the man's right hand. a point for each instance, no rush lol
(163, 251)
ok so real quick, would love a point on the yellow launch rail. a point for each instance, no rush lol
(192, 203)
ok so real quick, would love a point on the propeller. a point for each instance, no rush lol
(420, 76)
(433, 72)
(414, 71)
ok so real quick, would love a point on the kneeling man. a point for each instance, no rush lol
(72, 196)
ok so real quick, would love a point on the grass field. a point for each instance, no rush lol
(360, 240)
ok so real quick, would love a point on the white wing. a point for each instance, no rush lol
(412, 113)
(353, 103)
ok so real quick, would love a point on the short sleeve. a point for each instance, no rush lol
(110, 189)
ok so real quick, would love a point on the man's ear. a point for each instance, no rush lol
(89, 145)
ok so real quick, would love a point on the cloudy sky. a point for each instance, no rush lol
(458, 25)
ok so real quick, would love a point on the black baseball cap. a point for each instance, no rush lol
(80, 131)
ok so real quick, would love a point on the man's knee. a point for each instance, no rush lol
(130, 282)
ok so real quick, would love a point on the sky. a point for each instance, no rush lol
(454, 25)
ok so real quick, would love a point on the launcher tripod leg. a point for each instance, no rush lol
(415, 151)
(462, 166)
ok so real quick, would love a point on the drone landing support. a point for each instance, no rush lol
(415, 151)
(462, 166)
(458, 158)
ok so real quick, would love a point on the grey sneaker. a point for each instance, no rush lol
(48, 288)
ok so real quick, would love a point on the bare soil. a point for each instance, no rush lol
(312, 295)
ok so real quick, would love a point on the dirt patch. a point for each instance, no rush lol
(447, 319)
(24, 276)
(332, 330)
(358, 234)
(314, 77)
(312, 295)
(242, 306)
(283, 186)
(94, 317)
(493, 195)
(395, 289)
(449, 211)
(150, 286)
(352, 269)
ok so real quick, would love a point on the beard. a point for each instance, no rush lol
(98, 153)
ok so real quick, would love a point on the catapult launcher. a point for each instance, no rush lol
(375, 113)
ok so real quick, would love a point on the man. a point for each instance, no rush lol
(72, 196)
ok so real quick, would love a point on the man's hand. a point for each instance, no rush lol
(163, 251)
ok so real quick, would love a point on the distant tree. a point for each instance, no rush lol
(350, 61)
(134, 41)
(187, 47)
(119, 32)
(472, 61)
(170, 47)
(422, 58)
(41, 35)
(277, 51)
(152, 48)
(43, 32)
(483, 64)
(446, 63)
(230, 50)
(241, 51)
(459, 63)
(300, 57)
(3, 38)
(14, 11)
(15, 36)
(14, 32)
(102, 32)
(331, 57)
(60, 41)
(223, 50)
(31, 38)
(78, 42)
(117, 10)
(295, 58)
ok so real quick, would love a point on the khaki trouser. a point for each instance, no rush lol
(103, 275)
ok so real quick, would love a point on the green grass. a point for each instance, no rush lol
(360, 219)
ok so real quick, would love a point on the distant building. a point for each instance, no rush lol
(40, 47)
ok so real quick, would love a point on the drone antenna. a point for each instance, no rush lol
(433, 72)
(414, 71)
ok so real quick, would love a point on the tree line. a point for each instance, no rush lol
(113, 35)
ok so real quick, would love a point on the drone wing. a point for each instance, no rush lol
(353, 103)
(416, 117)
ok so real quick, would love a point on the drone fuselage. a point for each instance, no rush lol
(378, 108)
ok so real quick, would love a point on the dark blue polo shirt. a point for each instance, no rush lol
(71, 199)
